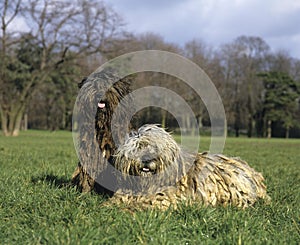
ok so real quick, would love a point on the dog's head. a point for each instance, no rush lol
(105, 91)
(149, 151)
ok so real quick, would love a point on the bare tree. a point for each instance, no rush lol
(280, 61)
(242, 61)
(205, 57)
(58, 32)
(9, 11)
(199, 52)
(151, 41)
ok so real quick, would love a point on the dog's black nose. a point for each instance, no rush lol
(146, 159)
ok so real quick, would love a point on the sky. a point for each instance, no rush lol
(215, 22)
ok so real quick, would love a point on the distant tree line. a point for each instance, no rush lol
(66, 40)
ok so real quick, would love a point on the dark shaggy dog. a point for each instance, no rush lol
(100, 94)
(169, 175)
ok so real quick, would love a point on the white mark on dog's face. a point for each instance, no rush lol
(101, 105)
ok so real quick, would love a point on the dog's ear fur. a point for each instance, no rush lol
(82, 82)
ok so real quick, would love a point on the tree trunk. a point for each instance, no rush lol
(269, 129)
(287, 132)
(199, 119)
(237, 132)
(163, 118)
(4, 122)
(237, 121)
(250, 126)
(188, 124)
(63, 119)
(11, 121)
(17, 124)
(25, 122)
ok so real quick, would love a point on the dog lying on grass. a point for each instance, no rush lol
(162, 174)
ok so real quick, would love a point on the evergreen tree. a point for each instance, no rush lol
(280, 100)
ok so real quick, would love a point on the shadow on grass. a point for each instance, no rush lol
(60, 182)
(64, 182)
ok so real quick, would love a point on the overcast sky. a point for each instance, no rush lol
(215, 21)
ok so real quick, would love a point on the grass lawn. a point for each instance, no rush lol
(36, 207)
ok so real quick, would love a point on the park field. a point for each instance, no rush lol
(37, 206)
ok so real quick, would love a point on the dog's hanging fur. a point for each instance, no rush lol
(100, 95)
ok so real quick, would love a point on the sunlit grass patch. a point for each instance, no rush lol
(37, 204)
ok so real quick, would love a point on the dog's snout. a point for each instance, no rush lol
(148, 158)
(148, 162)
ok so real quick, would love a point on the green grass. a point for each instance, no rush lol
(37, 207)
